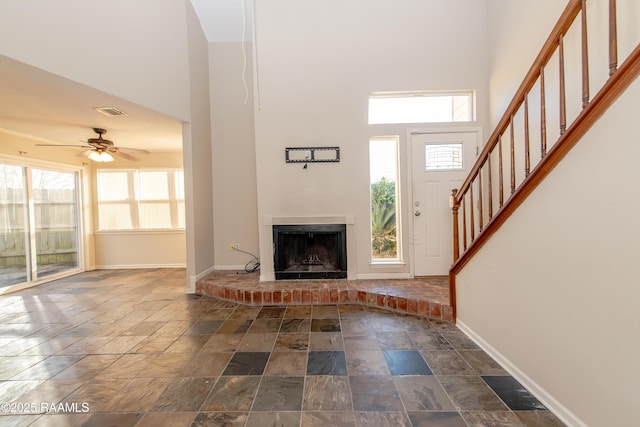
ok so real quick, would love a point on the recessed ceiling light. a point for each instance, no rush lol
(110, 111)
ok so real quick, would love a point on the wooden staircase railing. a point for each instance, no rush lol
(481, 200)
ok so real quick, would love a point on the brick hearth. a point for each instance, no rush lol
(425, 297)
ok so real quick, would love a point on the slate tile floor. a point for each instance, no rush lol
(129, 348)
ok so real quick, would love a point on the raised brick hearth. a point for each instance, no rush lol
(427, 297)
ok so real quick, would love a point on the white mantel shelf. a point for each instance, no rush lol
(284, 220)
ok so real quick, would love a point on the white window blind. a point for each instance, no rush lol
(140, 199)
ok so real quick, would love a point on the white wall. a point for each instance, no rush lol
(134, 50)
(198, 157)
(235, 207)
(150, 249)
(316, 64)
(554, 292)
(512, 50)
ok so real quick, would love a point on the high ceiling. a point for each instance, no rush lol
(222, 20)
(54, 110)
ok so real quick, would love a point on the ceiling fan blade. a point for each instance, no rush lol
(101, 145)
(63, 145)
(124, 155)
(139, 150)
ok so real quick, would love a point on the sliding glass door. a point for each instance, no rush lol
(39, 226)
(15, 263)
(55, 219)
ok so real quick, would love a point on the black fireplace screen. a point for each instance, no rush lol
(310, 251)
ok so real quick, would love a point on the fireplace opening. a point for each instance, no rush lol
(310, 251)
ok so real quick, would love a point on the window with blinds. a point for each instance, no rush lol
(140, 199)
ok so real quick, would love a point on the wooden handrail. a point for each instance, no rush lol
(570, 133)
(564, 23)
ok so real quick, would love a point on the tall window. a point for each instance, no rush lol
(383, 168)
(140, 199)
(421, 107)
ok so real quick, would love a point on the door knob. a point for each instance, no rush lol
(417, 213)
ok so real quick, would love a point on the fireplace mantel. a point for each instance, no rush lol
(284, 220)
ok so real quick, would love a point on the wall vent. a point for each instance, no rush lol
(110, 111)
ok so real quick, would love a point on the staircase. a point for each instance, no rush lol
(542, 123)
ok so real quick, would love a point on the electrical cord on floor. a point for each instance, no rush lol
(252, 265)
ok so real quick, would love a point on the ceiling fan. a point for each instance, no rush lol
(100, 149)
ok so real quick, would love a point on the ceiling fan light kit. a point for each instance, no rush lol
(100, 156)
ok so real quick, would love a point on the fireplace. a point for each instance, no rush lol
(310, 251)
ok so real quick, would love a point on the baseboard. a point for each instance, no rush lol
(374, 276)
(191, 284)
(568, 417)
(137, 266)
(229, 267)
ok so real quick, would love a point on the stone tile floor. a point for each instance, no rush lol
(130, 348)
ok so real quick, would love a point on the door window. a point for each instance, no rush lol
(443, 156)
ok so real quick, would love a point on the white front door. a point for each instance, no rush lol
(439, 162)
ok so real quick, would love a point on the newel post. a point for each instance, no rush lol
(454, 204)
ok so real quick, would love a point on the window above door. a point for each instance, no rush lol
(421, 107)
